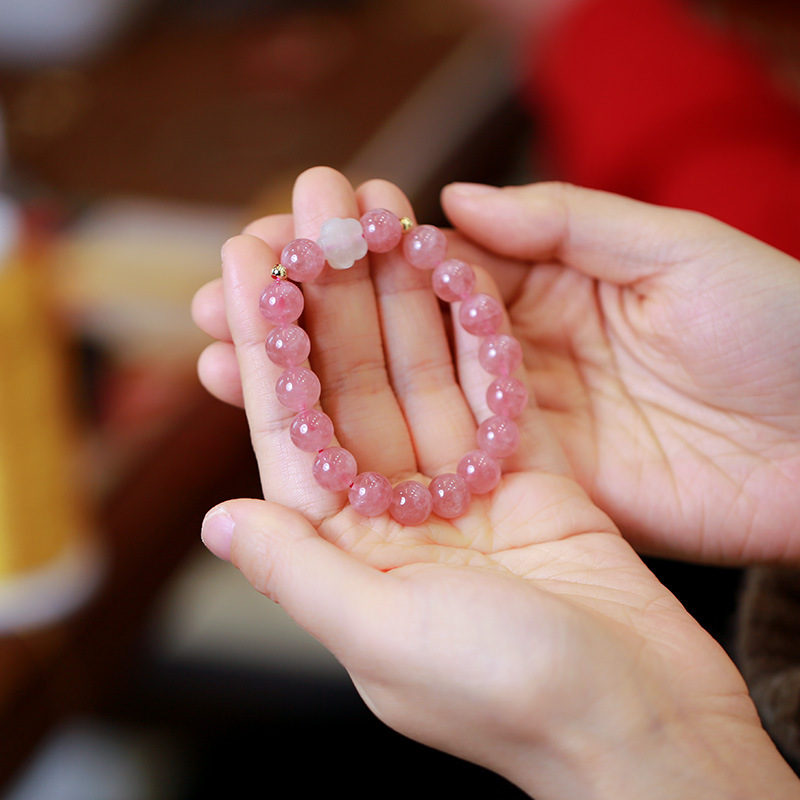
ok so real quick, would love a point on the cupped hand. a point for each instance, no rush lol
(664, 349)
(525, 635)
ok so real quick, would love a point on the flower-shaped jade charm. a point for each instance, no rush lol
(343, 242)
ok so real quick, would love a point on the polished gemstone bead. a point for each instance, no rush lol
(450, 494)
(370, 494)
(288, 345)
(424, 246)
(411, 503)
(382, 230)
(311, 430)
(453, 280)
(480, 314)
(498, 436)
(480, 471)
(507, 397)
(298, 388)
(303, 259)
(500, 354)
(281, 302)
(342, 241)
(335, 469)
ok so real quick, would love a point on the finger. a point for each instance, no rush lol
(418, 353)
(208, 310)
(347, 351)
(508, 273)
(603, 235)
(331, 594)
(277, 230)
(286, 471)
(218, 371)
(208, 304)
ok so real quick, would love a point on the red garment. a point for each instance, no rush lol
(643, 98)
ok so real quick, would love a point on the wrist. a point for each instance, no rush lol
(726, 757)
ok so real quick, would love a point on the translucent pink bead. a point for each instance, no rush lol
(424, 246)
(311, 430)
(450, 495)
(507, 397)
(303, 259)
(500, 354)
(281, 302)
(288, 345)
(411, 503)
(480, 314)
(453, 280)
(335, 469)
(297, 388)
(382, 230)
(480, 471)
(370, 494)
(498, 436)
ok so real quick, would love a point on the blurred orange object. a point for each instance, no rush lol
(48, 561)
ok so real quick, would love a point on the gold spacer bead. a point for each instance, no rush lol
(279, 272)
(407, 224)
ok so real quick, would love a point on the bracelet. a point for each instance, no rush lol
(341, 243)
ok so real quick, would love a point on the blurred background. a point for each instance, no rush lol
(137, 135)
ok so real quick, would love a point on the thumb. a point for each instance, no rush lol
(603, 235)
(327, 591)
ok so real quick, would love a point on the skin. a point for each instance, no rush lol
(527, 635)
(664, 349)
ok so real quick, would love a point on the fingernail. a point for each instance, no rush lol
(472, 189)
(217, 532)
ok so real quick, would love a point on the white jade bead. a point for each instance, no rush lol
(343, 242)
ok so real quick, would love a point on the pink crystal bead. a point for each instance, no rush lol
(425, 246)
(480, 471)
(298, 388)
(303, 259)
(411, 503)
(382, 230)
(342, 241)
(498, 436)
(500, 354)
(370, 494)
(453, 280)
(281, 302)
(480, 314)
(506, 397)
(311, 430)
(450, 494)
(288, 345)
(335, 469)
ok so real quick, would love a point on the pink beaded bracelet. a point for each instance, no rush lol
(341, 243)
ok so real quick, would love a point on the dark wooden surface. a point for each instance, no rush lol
(147, 526)
(221, 107)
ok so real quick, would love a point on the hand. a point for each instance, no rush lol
(664, 349)
(525, 636)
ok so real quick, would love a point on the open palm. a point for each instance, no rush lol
(522, 635)
(664, 349)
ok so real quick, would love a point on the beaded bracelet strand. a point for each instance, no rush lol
(341, 243)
